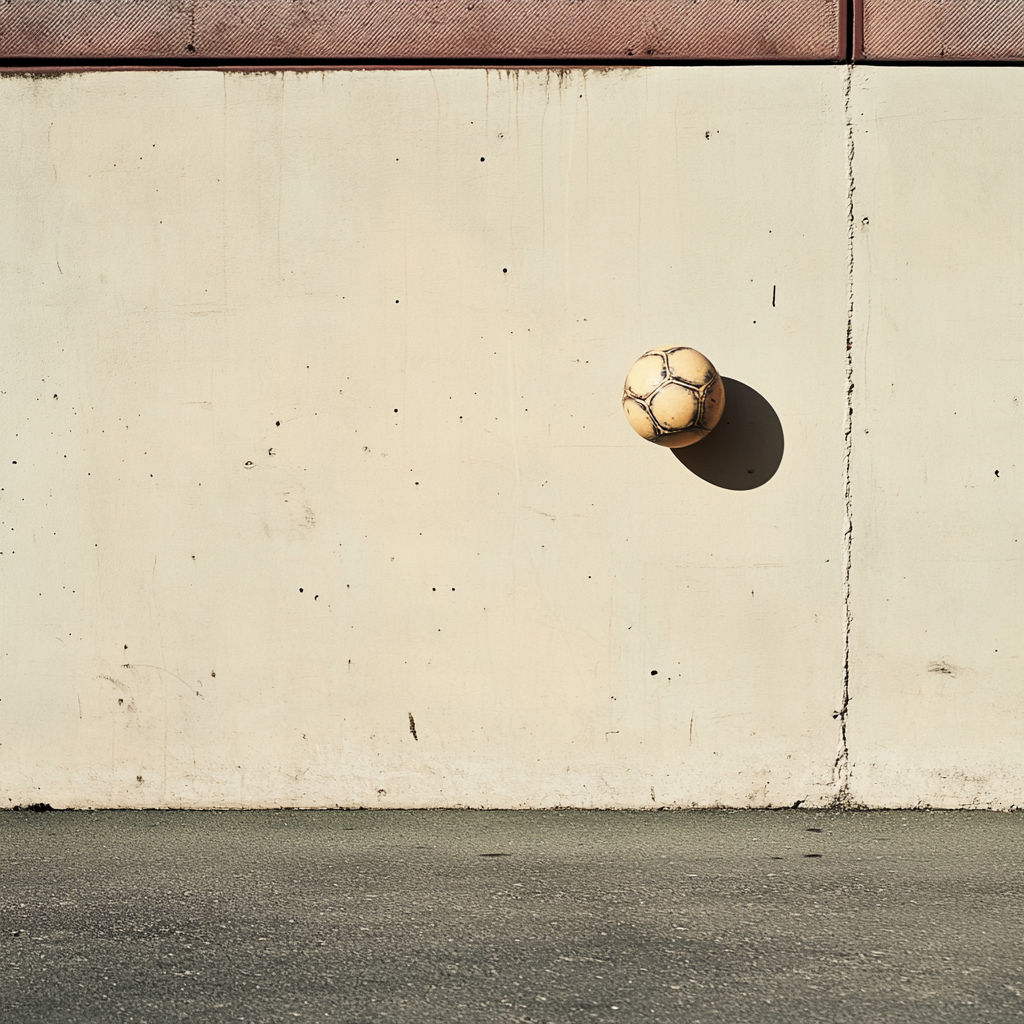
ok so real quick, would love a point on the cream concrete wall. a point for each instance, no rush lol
(202, 607)
(937, 675)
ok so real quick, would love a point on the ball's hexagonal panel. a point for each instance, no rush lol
(675, 407)
(646, 374)
(639, 420)
(690, 365)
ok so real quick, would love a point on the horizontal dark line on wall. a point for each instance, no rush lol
(244, 66)
(893, 62)
(65, 66)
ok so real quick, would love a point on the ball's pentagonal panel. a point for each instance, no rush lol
(647, 373)
(673, 396)
(675, 406)
(639, 419)
(689, 365)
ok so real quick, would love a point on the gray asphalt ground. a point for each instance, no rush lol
(492, 916)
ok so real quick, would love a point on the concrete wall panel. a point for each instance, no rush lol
(936, 714)
(232, 570)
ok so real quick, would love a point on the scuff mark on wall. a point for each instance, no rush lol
(121, 688)
(156, 668)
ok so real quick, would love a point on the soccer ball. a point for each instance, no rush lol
(673, 396)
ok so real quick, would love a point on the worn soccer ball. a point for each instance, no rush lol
(673, 396)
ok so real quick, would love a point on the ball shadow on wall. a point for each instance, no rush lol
(745, 449)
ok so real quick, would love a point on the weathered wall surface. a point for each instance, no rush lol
(316, 486)
(937, 676)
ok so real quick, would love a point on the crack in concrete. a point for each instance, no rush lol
(841, 768)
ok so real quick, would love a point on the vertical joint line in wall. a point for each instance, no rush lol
(842, 763)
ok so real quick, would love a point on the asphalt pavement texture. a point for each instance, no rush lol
(547, 917)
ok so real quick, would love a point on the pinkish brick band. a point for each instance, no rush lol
(939, 30)
(292, 31)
